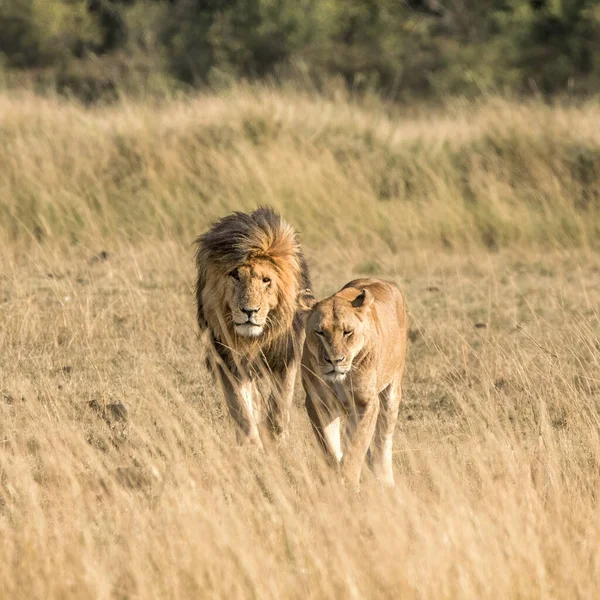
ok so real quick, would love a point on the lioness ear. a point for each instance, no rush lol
(363, 300)
(305, 300)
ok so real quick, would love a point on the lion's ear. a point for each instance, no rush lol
(305, 300)
(363, 301)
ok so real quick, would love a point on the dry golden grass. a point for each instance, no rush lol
(491, 174)
(119, 477)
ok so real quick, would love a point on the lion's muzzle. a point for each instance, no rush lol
(252, 326)
(249, 329)
(335, 372)
(334, 367)
(335, 376)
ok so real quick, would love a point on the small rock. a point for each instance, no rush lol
(500, 383)
(117, 411)
(8, 398)
(115, 414)
(413, 334)
(95, 405)
(101, 257)
(560, 423)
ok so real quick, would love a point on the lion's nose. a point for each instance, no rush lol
(335, 361)
(250, 311)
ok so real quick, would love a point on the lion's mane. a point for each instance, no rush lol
(241, 238)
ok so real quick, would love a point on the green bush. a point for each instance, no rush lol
(404, 50)
(36, 33)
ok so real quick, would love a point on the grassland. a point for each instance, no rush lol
(119, 477)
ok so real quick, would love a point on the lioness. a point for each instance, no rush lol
(352, 364)
(251, 273)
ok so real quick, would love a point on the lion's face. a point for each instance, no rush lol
(251, 294)
(335, 334)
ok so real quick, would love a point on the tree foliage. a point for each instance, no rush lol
(409, 48)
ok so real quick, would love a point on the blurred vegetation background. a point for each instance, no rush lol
(403, 49)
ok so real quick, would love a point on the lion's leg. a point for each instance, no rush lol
(381, 449)
(364, 421)
(240, 402)
(280, 400)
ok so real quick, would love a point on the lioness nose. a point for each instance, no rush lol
(249, 311)
(335, 361)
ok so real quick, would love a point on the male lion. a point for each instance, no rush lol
(251, 275)
(353, 362)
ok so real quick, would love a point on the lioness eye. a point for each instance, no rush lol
(318, 332)
(266, 280)
(348, 332)
(235, 274)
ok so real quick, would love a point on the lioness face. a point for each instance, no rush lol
(251, 295)
(335, 334)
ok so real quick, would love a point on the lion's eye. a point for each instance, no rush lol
(348, 332)
(319, 332)
(266, 280)
(235, 274)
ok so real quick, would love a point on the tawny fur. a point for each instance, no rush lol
(352, 367)
(234, 259)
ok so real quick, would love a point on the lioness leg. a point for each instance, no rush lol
(381, 449)
(325, 421)
(239, 398)
(361, 433)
